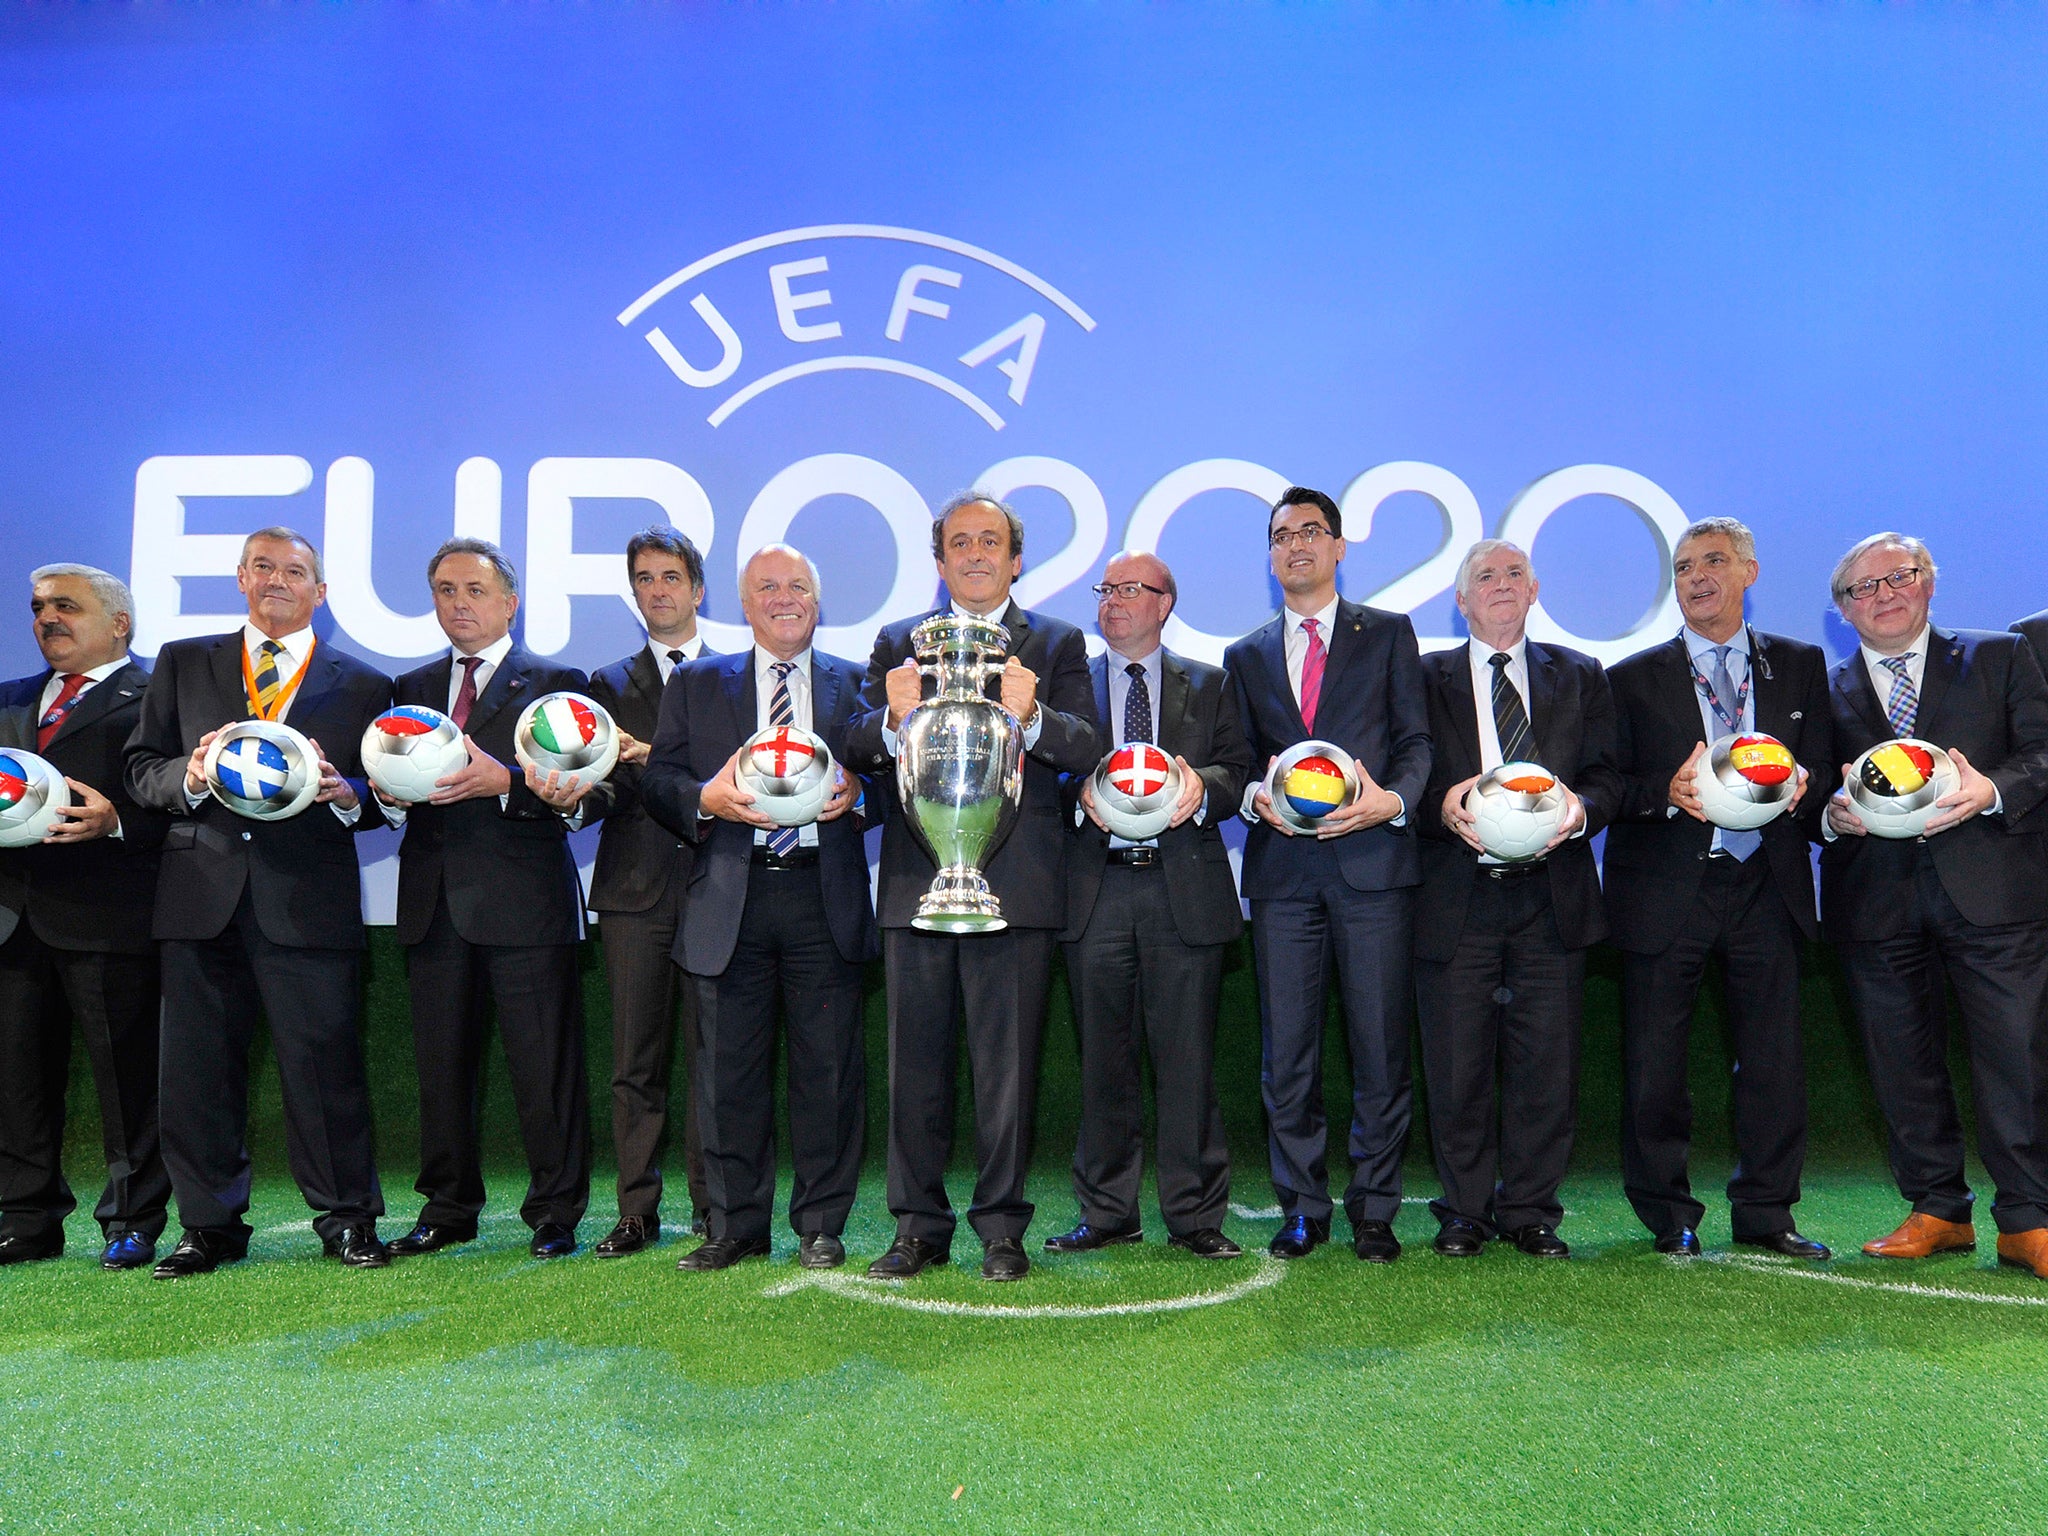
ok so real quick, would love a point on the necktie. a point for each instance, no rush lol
(675, 659)
(268, 682)
(1312, 671)
(782, 712)
(1904, 705)
(59, 708)
(465, 696)
(1137, 706)
(1510, 719)
(1736, 844)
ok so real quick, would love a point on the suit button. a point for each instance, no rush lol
(245, 837)
(1699, 856)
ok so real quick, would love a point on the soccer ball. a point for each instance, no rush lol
(568, 734)
(1893, 787)
(32, 792)
(1136, 788)
(406, 749)
(1747, 781)
(789, 773)
(1518, 808)
(1309, 780)
(262, 769)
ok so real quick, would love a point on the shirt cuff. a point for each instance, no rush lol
(1402, 819)
(1247, 810)
(1035, 729)
(192, 801)
(118, 830)
(347, 817)
(888, 741)
(1997, 803)
(1201, 816)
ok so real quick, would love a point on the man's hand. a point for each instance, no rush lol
(1192, 792)
(1685, 785)
(1840, 818)
(1798, 790)
(334, 789)
(90, 815)
(1372, 807)
(844, 793)
(1574, 818)
(722, 796)
(632, 749)
(482, 777)
(1263, 804)
(905, 690)
(1457, 818)
(1020, 690)
(1088, 801)
(195, 765)
(563, 791)
(1972, 796)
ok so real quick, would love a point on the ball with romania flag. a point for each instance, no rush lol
(1746, 781)
(1893, 788)
(1309, 780)
(569, 734)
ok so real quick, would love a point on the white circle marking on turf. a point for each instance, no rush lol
(885, 1293)
(1895, 1287)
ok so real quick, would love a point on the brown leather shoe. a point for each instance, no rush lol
(2027, 1250)
(1920, 1235)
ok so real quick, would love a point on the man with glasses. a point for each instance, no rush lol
(1326, 669)
(1963, 899)
(1147, 926)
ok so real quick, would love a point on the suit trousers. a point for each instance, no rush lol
(647, 988)
(785, 944)
(1739, 916)
(993, 986)
(539, 1006)
(1503, 1014)
(2000, 975)
(113, 1001)
(215, 991)
(1365, 937)
(1136, 985)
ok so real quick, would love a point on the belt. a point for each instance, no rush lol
(1522, 871)
(800, 858)
(1134, 858)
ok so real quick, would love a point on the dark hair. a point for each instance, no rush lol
(970, 499)
(663, 539)
(483, 549)
(1302, 496)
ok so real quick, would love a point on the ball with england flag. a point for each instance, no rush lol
(789, 772)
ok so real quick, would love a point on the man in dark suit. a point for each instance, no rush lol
(638, 887)
(1681, 891)
(1500, 949)
(2035, 628)
(996, 981)
(1334, 671)
(1147, 926)
(1963, 900)
(262, 918)
(771, 908)
(75, 945)
(490, 906)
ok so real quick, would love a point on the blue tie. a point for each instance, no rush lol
(1903, 707)
(1737, 845)
(781, 712)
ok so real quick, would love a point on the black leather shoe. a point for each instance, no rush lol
(631, 1235)
(427, 1237)
(1790, 1244)
(1459, 1238)
(723, 1252)
(131, 1250)
(1298, 1237)
(1685, 1243)
(1206, 1243)
(199, 1252)
(820, 1250)
(26, 1250)
(908, 1256)
(1085, 1239)
(1003, 1258)
(1540, 1241)
(357, 1247)
(1374, 1241)
(552, 1240)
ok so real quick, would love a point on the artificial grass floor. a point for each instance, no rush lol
(479, 1390)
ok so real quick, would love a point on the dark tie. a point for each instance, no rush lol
(1137, 706)
(465, 696)
(53, 717)
(675, 658)
(1510, 719)
(782, 712)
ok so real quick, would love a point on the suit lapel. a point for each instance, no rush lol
(824, 696)
(1944, 666)
(1852, 681)
(1347, 635)
(18, 720)
(1098, 674)
(1273, 651)
(645, 679)
(1542, 698)
(508, 682)
(1018, 623)
(1173, 705)
(226, 666)
(322, 668)
(111, 691)
(1462, 705)
(740, 692)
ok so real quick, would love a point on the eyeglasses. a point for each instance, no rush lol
(1862, 591)
(1127, 590)
(1305, 537)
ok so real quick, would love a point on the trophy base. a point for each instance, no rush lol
(960, 901)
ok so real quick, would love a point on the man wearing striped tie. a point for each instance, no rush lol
(1962, 900)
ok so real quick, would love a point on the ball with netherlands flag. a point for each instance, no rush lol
(1135, 789)
(262, 769)
(1309, 780)
(1893, 788)
(566, 733)
(789, 772)
(32, 792)
(1517, 809)
(407, 749)
(1746, 781)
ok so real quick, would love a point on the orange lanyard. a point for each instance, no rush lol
(284, 694)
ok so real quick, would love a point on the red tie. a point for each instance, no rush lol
(465, 696)
(53, 717)
(1311, 672)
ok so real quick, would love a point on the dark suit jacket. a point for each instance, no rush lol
(1655, 861)
(2035, 627)
(1373, 706)
(1571, 716)
(637, 857)
(302, 874)
(1197, 720)
(1983, 692)
(1028, 872)
(507, 873)
(710, 708)
(99, 895)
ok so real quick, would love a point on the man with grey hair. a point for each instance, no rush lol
(75, 945)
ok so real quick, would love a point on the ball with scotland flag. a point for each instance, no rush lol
(32, 792)
(788, 771)
(262, 769)
(1309, 780)
(566, 733)
(406, 749)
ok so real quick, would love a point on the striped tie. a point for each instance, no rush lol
(782, 712)
(268, 683)
(1510, 719)
(1904, 704)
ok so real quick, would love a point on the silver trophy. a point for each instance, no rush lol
(960, 770)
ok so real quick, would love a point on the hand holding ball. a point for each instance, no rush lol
(1310, 780)
(569, 734)
(1136, 789)
(405, 750)
(789, 772)
(32, 792)
(1746, 781)
(262, 769)
(1893, 788)
(1516, 810)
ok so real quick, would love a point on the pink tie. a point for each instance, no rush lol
(1311, 672)
(465, 696)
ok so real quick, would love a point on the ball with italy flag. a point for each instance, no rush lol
(566, 733)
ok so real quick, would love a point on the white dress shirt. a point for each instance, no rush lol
(1481, 657)
(490, 658)
(93, 676)
(691, 648)
(296, 649)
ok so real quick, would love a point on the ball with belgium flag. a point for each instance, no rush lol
(1895, 787)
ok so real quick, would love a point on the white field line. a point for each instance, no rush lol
(888, 1293)
(1763, 1266)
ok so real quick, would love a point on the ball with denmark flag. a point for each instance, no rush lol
(789, 772)
(1136, 788)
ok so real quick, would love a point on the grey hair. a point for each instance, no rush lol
(284, 535)
(1735, 531)
(817, 583)
(1838, 583)
(111, 590)
(484, 549)
(1480, 551)
(971, 498)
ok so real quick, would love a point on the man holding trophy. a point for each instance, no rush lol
(977, 779)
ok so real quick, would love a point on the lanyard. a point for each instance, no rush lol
(284, 694)
(1706, 688)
